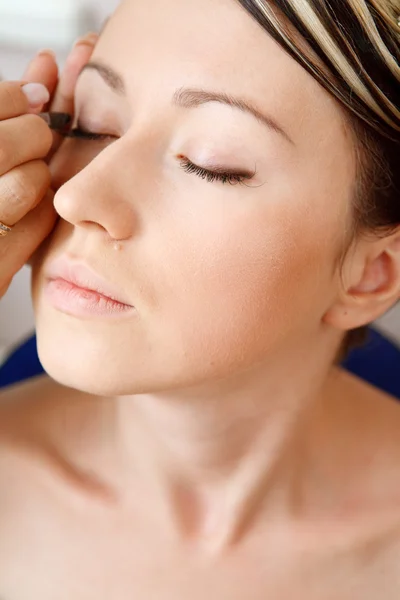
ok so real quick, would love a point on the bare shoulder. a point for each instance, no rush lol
(367, 419)
(27, 391)
(20, 401)
(360, 448)
(358, 395)
(28, 406)
(40, 421)
(37, 418)
(366, 436)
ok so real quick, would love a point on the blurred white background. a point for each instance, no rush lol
(26, 27)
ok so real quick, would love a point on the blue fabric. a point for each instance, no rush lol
(22, 364)
(378, 362)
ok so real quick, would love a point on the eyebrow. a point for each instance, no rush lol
(191, 97)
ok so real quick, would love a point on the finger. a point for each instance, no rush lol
(23, 139)
(22, 189)
(15, 99)
(42, 69)
(18, 246)
(63, 100)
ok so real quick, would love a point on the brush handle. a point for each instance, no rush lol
(57, 121)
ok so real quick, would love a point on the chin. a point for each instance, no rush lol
(106, 360)
(80, 365)
(120, 361)
(91, 361)
(99, 356)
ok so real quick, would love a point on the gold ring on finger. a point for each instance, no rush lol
(4, 229)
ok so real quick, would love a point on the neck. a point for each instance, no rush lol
(217, 455)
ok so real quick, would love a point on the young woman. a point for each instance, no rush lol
(229, 211)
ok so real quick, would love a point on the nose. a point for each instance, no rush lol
(100, 196)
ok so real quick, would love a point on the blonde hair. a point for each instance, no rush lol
(352, 48)
(357, 40)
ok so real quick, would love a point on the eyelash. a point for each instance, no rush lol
(186, 165)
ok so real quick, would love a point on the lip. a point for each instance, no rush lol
(73, 287)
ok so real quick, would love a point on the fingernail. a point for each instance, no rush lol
(48, 52)
(89, 38)
(37, 94)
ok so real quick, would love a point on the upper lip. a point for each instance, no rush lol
(81, 275)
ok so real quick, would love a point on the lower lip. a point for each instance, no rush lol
(80, 302)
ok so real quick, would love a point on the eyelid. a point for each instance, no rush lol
(211, 172)
(88, 133)
(81, 133)
(224, 175)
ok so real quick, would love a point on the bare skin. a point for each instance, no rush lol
(199, 444)
(76, 522)
(26, 194)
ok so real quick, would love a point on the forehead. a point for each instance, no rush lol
(160, 45)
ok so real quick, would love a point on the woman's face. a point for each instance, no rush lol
(221, 277)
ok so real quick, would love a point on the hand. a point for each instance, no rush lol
(26, 145)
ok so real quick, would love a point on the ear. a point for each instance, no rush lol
(371, 283)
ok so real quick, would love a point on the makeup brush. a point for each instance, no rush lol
(57, 121)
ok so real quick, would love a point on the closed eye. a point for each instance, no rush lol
(80, 133)
(222, 175)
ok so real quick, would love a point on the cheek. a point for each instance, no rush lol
(239, 284)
